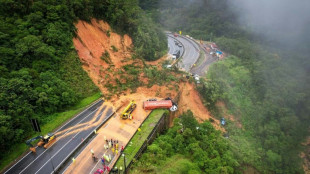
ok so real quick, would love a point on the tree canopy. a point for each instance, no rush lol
(40, 72)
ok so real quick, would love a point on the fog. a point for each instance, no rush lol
(284, 21)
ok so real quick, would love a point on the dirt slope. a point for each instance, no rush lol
(92, 41)
(95, 38)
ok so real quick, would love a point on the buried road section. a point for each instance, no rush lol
(116, 129)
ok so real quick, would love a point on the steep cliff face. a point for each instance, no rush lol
(101, 51)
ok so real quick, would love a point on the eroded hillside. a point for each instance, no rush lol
(109, 60)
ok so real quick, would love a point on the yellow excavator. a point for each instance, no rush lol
(45, 141)
(128, 110)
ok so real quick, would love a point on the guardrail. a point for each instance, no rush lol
(157, 128)
(193, 42)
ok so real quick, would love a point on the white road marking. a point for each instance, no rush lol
(55, 131)
(56, 141)
(62, 148)
(84, 148)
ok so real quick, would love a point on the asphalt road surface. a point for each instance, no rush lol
(203, 67)
(191, 52)
(173, 47)
(47, 160)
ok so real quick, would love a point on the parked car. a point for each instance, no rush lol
(196, 77)
(152, 99)
(223, 122)
(99, 171)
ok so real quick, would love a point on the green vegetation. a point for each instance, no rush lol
(188, 147)
(106, 57)
(51, 122)
(125, 16)
(268, 111)
(140, 137)
(114, 48)
(158, 77)
(40, 72)
(264, 84)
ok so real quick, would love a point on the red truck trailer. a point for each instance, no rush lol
(163, 104)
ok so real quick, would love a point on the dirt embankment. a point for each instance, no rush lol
(95, 41)
(102, 51)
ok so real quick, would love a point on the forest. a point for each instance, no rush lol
(264, 82)
(40, 72)
(188, 147)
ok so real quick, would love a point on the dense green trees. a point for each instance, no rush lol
(264, 83)
(40, 72)
(35, 43)
(127, 17)
(188, 147)
(268, 110)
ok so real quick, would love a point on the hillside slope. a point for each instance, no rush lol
(40, 73)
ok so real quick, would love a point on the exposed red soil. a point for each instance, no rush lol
(305, 155)
(190, 100)
(92, 42)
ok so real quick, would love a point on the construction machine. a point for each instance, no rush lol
(128, 110)
(45, 141)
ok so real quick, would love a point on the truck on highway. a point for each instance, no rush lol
(177, 54)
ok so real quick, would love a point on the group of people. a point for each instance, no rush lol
(114, 145)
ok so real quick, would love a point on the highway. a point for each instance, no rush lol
(68, 138)
(203, 67)
(173, 47)
(191, 51)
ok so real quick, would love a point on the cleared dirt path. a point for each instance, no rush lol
(117, 129)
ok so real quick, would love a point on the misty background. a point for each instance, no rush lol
(264, 82)
(285, 21)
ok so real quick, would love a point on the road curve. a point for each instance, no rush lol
(191, 51)
(173, 47)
